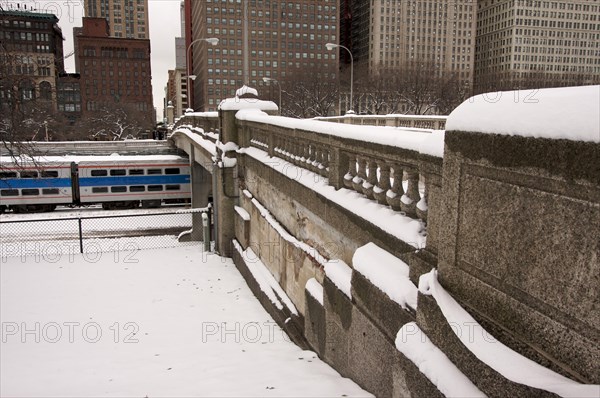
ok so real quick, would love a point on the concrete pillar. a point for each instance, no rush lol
(225, 188)
(170, 113)
(201, 185)
(225, 197)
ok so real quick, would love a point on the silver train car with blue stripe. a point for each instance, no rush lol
(115, 182)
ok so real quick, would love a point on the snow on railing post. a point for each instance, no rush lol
(323, 160)
(351, 173)
(422, 204)
(371, 180)
(394, 194)
(380, 190)
(362, 174)
(411, 197)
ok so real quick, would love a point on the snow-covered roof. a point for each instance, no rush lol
(571, 113)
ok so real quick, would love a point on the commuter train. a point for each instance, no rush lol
(115, 182)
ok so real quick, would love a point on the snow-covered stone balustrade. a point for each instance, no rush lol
(208, 121)
(374, 161)
(432, 122)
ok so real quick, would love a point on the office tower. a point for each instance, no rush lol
(284, 40)
(177, 82)
(126, 18)
(526, 43)
(394, 34)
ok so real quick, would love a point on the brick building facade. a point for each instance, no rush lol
(115, 72)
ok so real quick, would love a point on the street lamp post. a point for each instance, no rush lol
(211, 40)
(270, 80)
(331, 46)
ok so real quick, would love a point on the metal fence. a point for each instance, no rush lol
(95, 234)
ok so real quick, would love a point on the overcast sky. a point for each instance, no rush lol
(164, 27)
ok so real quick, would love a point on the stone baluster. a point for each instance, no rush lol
(303, 154)
(371, 180)
(310, 161)
(289, 149)
(411, 196)
(322, 160)
(351, 171)
(422, 204)
(294, 149)
(271, 139)
(282, 146)
(277, 145)
(394, 194)
(380, 190)
(317, 156)
(361, 176)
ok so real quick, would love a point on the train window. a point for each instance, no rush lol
(118, 189)
(30, 192)
(172, 187)
(99, 189)
(29, 174)
(173, 170)
(49, 174)
(50, 191)
(154, 171)
(99, 173)
(154, 188)
(136, 172)
(8, 174)
(117, 172)
(137, 188)
(9, 192)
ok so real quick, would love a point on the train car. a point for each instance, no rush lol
(115, 182)
(124, 182)
(35, 186)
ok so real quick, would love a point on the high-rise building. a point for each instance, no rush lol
(115, 72)
(525, 43)
(176, 92)
(126, 18)
(31, 58)
(258, 39)
(394, 34)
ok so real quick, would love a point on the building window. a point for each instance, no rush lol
(45, 90)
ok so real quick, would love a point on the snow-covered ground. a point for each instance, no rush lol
(165, 322)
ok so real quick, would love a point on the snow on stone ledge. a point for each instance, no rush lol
(202, 114)
(387, 272)
(266, 281)
(496, 355)
(315, 289)
(236, 104)
(309, 250)
(433, 363)
(242, 213)
(340, 274)
(571, 113)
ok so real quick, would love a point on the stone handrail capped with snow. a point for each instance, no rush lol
(208, 121)
(434, 122)
(370, 160)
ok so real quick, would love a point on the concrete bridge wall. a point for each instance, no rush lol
(512, 226)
